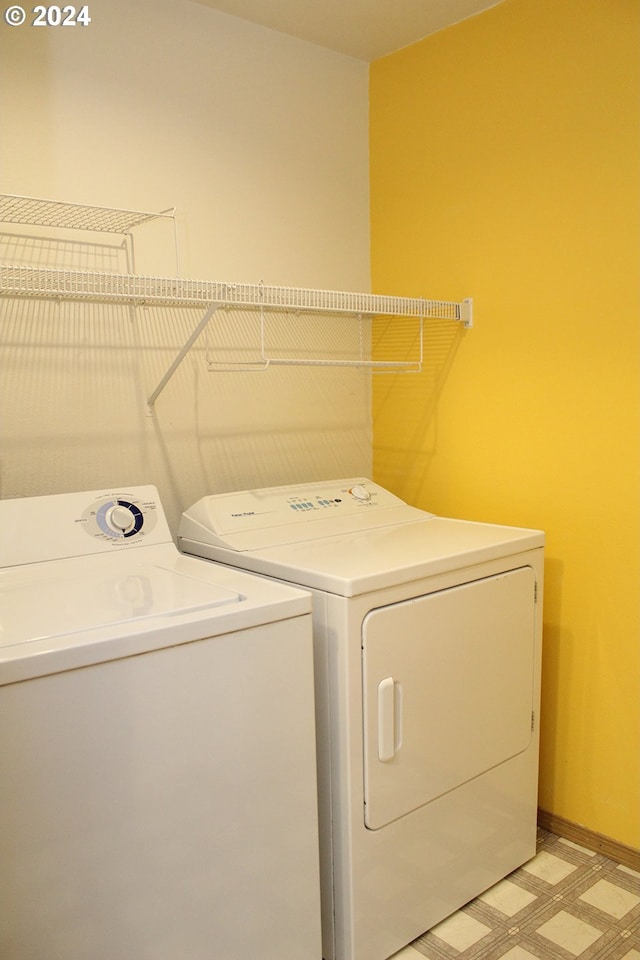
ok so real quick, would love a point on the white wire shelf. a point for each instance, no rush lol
(210, 295)
(73, 216)
(104, 287)
(52, 283)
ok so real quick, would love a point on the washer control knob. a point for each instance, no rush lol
(360, 492)
(120, 518)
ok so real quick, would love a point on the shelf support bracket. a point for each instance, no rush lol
(466, 312)
(211, 309)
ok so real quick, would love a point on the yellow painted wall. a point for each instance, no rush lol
(505, 166)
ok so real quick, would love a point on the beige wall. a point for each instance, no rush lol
(260, 142)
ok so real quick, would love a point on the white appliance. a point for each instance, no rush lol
(427, 657)
(157, 744)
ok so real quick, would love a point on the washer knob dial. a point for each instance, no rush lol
(360, 492)
(120, 518)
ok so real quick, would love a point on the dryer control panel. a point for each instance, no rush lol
(80, 524)
(251, 519)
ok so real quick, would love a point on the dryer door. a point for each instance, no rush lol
(447, 690)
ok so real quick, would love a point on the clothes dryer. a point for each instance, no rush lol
(427, 635)
(157, 744)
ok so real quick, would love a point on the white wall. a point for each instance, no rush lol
(260, 141)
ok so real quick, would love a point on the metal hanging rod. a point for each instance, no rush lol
(266, 359)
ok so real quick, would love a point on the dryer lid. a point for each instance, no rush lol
(346, 537)
(356, 563)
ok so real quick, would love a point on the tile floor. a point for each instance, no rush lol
(566, 903)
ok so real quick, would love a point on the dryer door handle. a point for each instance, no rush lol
(389, 719)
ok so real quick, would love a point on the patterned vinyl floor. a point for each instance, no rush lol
(566, 903)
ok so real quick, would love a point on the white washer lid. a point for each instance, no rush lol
(59, 615)
(63, 601)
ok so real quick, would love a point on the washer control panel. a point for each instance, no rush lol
(119, 517)
(79, 524)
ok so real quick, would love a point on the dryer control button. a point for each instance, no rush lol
(360, 492)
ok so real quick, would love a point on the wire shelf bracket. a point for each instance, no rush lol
(181, 355)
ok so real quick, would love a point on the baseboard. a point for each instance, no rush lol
(628, 856)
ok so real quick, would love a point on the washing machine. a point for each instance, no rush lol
(157, 744)
(427, 635)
